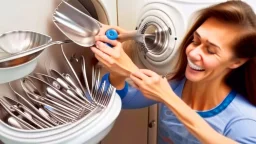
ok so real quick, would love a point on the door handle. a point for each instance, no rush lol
(152, 124)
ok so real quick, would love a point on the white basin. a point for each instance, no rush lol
(89, 131)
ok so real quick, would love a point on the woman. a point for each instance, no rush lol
(212, 96)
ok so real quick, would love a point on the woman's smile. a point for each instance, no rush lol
(194, 66)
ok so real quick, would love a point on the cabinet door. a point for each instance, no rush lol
(152, 124)
(130, 128)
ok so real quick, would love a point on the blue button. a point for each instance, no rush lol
(112, 34)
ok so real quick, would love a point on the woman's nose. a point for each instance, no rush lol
(195, 54)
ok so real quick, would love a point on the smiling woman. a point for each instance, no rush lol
(212, 96)
(210, 55)
(222, 45)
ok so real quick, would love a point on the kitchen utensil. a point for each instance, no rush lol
(76, 25)
(19, 119)
(82, 28)
(31, 45)
(62, 86)
(24, 112)
(21, 44)
(39, 111)
(80, 88)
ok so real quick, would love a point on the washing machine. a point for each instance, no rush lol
(169, 18)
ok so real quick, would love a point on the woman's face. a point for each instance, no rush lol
(210, 54)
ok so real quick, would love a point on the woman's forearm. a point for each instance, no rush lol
(117, 81)
(193, 122)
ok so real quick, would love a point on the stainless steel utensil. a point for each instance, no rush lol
(68, 78)
(30, 44)
(23, 111)
(62, 86)
(22, 44)
(45, 105)
(82, 28)
(40, 113)
(58, 106)
(76, 25)
(18, 118)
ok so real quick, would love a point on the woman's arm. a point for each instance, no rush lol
(155, 87)
(131, 97)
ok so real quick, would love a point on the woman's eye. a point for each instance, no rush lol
(194, 42)
(210, 51)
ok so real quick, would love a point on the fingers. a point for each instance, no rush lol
(147, 76)
(109, 51)
(104, 39)
(101, 56)
(139, 75)
(137, 81)
(149, 73)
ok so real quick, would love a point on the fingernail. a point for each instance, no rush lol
(97, 44)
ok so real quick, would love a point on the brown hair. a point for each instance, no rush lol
(235, 13)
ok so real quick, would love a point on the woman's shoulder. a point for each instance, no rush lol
(174, 83)
(242, 109)
(242, 125)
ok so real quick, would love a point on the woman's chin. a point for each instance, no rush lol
(193, 75)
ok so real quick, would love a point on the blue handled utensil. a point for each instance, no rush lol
(81, 28)
(78, 26)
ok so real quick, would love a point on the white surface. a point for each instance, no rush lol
(110, 9)
(17, 72)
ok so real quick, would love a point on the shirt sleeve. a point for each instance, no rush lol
(243, 131)
(131, 97)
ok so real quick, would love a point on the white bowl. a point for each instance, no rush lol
(15, 64)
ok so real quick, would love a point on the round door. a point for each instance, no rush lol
(168, 25)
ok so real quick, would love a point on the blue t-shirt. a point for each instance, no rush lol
(235, 117)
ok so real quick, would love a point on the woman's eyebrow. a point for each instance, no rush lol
(197, 34)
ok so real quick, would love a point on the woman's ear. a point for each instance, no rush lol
(237, 62)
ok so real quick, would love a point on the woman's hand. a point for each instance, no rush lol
(151, 84)
(113, 59)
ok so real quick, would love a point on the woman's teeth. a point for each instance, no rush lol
(194, 67)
